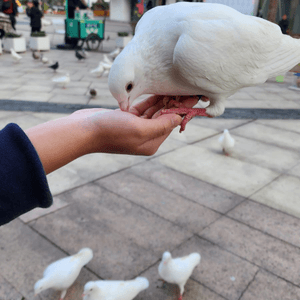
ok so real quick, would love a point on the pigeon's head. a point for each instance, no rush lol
(90, 289)
(125, 79)
(166, 257)
(85, 254)
(40, 286)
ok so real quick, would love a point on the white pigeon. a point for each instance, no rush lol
(113, 54)
(178, 270)
(208, 49)
(15, 55)
(114, 289)
(107, 60)
(44, 59)
(61, 274)
(102, 69)
(63, 80)
(227, 142)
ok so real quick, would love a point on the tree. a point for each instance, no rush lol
(272, 12)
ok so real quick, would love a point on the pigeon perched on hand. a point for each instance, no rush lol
(178, 270)
(61, 274)
(199, 49)
(114, 289)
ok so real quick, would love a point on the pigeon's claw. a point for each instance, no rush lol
(189, 113)
(180, 297)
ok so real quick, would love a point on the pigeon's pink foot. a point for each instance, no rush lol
(188, 112)
(180, 297)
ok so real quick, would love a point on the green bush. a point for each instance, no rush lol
(38, 34)
(12, 35)
(123, 33)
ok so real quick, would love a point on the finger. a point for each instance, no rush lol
(152, 110)
(163, 125)
(142, 106)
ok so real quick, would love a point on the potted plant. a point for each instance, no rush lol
(123, 39)
(14, 41)
(39, 41)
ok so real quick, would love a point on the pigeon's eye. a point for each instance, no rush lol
(129, 87)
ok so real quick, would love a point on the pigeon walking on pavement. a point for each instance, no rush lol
(62, 80)
(54, 66)
(35, 55)
(79, 55)
(178, 270)
(113, 54)
(209, 49)
(15, 55)
(227, 142)
(61, 274)
(114, 289)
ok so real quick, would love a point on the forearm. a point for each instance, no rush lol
(59, 142)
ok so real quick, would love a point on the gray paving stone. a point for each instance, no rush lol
(192, 133)
(218, 123)
(115, 257)
(137, 224)
(73, 99)
(291, 125)
(219, 270)
(166, 291)
(223, 171)
(271, 221)
(30, 96)
(255, 152)
(7, 291)
(168, 205)
(58, 90)
(261, 249)
(269, 287)
(283, 194)
(271, 135)
(25, 254)
(187, 186)
(295, 171)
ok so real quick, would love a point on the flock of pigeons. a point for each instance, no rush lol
(101, 70)
(61, 274)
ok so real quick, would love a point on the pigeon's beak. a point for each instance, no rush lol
(124, 103)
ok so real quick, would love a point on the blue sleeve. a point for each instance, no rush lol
(23, 182)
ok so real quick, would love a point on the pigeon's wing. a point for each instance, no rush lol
(225, 52)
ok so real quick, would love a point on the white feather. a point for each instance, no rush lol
(114, 289)
(63, 80)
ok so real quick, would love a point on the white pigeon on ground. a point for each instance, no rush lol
(178, 270)
(107, 60)
(113, 54)
(192, 49)
(114, 289)
(15, 55)
(102, 69)
(63, 80)
(44, 59)
(61, 274)
(227, 142)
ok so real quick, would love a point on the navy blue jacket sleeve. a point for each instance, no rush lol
(23, 182)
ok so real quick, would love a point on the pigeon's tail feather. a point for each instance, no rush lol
(285, 57)
(143, 282)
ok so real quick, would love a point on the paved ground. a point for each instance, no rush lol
(241, 213)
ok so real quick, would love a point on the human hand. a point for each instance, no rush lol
(77, 8)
